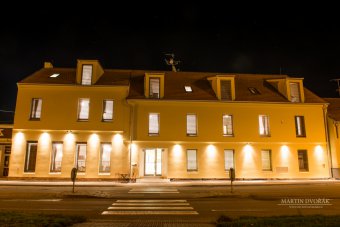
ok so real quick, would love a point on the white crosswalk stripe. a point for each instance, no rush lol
(150, 207)
(154, 190)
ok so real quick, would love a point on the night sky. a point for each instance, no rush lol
(302, 43)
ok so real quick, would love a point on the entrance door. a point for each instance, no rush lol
(153, 162)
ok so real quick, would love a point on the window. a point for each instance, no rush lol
(105, 158)
(36, 109)
(264, 125)
(226, 90)
(295, 92)
(191, 125)
(54, 75)
(336, 131)
(31, 156)
(108, 110)
(254, 91)
(192, 160)
(86, 76)
(266, 156)
(303, 160)
(56, 157)
(188, 89)
(153, 124)
(300, 126)
(228, 159)
(81, 157)
(227, 125)
(154, 87)
(83, 109)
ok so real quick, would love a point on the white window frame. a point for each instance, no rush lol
(154, 124)
(154, 89)
(28, 155)
(108, 110)
(82, 114)
(80, 168)
(36, 107)
(264, 128)
(56, 157)
(227, 125)
(300, 128)
(223, 95)
(192, 160)
(229, 159)
(107, 148)
(304, 161)
(266, 160)
(191, 124)
(294, 88)
(86, 74)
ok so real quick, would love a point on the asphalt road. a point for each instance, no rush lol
(182, 204)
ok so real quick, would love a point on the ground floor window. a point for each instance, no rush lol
(56, 157)
(105, 158)
(192, 160)
(228, 159)
(31, 156)
(303, 160)
(266, 156)
(81, 157)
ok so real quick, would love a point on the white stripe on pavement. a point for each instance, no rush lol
(151, 200)
(150, 208)
(150, 204)
(149, 212)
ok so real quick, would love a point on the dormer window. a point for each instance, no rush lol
(154, 87)
(54, 75)
(188, 89)
(295, 95)
(226, 90)
(86, 76)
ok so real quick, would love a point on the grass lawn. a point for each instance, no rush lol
(33, 219)
(280, 221)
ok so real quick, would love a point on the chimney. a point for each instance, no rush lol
(48, 65)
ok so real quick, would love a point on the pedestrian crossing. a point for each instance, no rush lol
(154, 190)
(150, 207)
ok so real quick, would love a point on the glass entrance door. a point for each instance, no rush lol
(153, 162)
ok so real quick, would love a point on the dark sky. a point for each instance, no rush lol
(302, 42)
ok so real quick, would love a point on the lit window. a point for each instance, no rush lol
(227, 125)
(81, 157)
(228, 159)
(226, 90)
(54, 75)
(191, 125)
(86, 77)
(154, 87)
(56, 157)
(253, 90)
(264, 125)
(153, 124)
(108, 110)
(300, 126)
(105, 158)
(36, 109)
(295, 92)
(266, 156)
(31, 157)
(303, 160)
(188, 89)
(83, 109)
(192, 160)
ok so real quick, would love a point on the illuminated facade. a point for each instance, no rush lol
(174, 125)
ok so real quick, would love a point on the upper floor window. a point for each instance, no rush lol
(300, 126)
(227, 125)
(264, 125)
(153, 124)
(86, 76)
(295, 92)
(108, 110)
(154, 91)
(83, 109)
(56, 157)
(31, 157)
(226, 90)
(191, 125)
(36, 109)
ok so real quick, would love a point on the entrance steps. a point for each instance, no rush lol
(152, 180)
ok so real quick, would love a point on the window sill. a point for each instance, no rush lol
(104, 174)
(153, 134)
(83, 120)
(192, 135)
(300, 136)
(232, 135)
(267, 170)
(192, 171)
(80, 174)
(304, 171)
(111, 120)
(265, 135)
(34, 119)
(29, 173)
(55, 173)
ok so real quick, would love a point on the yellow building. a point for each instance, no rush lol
(174, 125)
(5, 148)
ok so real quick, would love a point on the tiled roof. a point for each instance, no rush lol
(333, 108)
(175, 82)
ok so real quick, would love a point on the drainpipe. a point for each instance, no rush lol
(132, 110)
(329, 153)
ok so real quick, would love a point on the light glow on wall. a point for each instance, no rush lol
(134, 153)
(118, 139)
(211, 149)
(69, 140)
(318, 153)
(284, 155)
(248, 158)
(45, 141)
(19, 139)
(177, 151)
(93, 142)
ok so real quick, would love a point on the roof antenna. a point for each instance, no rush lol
(338, 82)
(170, 60)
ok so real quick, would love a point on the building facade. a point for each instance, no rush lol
(174, 125)
(5, 148)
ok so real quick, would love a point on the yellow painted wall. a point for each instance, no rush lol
(334, 142)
